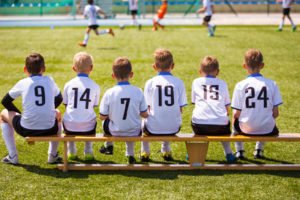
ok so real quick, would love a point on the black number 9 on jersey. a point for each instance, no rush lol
(39, 91)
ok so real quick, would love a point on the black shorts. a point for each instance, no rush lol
(236, 125)
(106, 128)
(207, 18)
(133, 12)
(94, 27)
(24, 132)
(286, 11)
(91, 132)
(208, 129)
(147, 132)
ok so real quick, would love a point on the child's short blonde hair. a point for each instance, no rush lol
(163, 59)
(209, 64)
(122, 68)
(82, 61)
(253, 58)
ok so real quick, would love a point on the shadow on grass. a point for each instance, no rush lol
(108, 48)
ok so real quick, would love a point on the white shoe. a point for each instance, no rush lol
(53, 159)
(10, 160)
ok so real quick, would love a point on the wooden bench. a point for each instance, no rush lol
(197, 147)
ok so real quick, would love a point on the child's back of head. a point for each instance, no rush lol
(35, 63)
(82, 62)
(253, 59)
(209, 65)
(122, 68)
(163, 59)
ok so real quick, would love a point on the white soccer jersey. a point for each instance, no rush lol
(286, 3)
(207, 4)
(164, 94)
(123, 104)
(81, 95)
(38, 94)
(91, 11)
(210, 96)
(256, 97)
(133, 4)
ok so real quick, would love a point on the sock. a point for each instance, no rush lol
(103, 31)
(86, 38)
(165, 147)
(145, 147)
(106, 144)
(129, 148)
(135, 22)
(53, 146)
(292, 23)
(226, 147)
(281, 24)
(259, 145)
(209, 29)
(239, 146)
(88, 148)
(72, 148)
(9, 139)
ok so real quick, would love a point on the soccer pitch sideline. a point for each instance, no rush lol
(34, 179)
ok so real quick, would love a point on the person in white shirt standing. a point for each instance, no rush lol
(208, 12)
(211, 98)
(91, 12)
(121, 108)
(40, 96)
(133, 8)
(286, 8)
(80, 96)
(255, 104)
(165, 96)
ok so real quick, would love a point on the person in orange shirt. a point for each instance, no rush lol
(160, 15)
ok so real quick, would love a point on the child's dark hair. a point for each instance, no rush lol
(122, 68)
(253, 58)
(209, 64)
(163, 59)
(35, 63)
(91, 2)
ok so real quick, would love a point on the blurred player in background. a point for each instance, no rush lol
(133, 7)
(286, 8)
(160, 15)
(208, 12)
(91, 12)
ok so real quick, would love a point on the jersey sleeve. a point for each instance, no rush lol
(226, 96)
(236, 99)
(193, 97)
(86, 10)
(97, 96)
(182, 96)
(104, 105)
(65, 95)
(56, 90)
(205, 3)
(98, 8)
(16, 91)
(143, 105)
(277, 100)
(147, 92)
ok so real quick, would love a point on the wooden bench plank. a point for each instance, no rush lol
(152, 167)
(293, 137)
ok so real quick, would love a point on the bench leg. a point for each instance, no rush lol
(65, 157)
(197, 152)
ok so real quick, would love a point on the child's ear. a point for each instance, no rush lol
(91, 67)
(26, 71)
(262, 65)
(217, 73)
(131, 75)
(245, 66)
(172, 66)
(154, 67)
(74, 69)
(113, 76)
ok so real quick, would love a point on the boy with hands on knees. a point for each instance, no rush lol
(122, 107)
(40, 96)
(211, 98)
(255, 104)
(81, 95)
(165, 96)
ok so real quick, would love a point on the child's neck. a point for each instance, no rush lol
(86, 74)
(208, 75)
(256, 71)
(123, 80)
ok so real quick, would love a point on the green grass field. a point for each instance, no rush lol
(34, 179)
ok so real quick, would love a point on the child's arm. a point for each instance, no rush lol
(58, 100)
(7, 103)
(236, 115)
(275, 112)
(227, 109)
(203, 9)
(103, 117)
(144, 114)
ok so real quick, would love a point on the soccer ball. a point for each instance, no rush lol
(122, 26)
